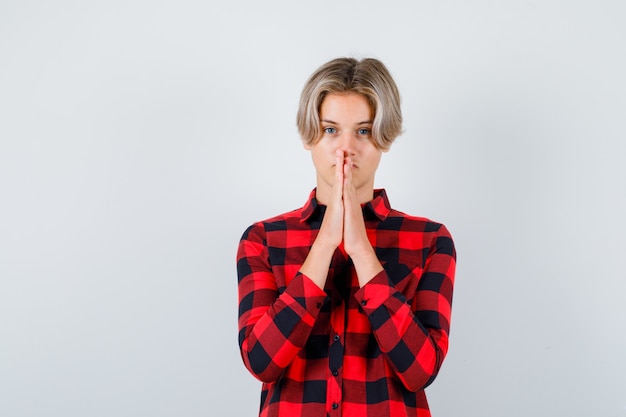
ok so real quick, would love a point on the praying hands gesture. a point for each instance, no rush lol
(343, 222)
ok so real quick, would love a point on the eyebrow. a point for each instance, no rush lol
(367, 122)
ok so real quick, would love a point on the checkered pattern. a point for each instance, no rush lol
(345, 350)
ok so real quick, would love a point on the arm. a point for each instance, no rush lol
(414, 337)
(273, 326)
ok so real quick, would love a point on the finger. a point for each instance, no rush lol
(347, 174)
(339, 166)
(337, 188)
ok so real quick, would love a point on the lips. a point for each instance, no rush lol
(353, 166)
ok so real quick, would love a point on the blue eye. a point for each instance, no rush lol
(364, 132)
(330, 130)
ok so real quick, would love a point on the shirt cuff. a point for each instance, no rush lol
(306, 293)
(375, 292)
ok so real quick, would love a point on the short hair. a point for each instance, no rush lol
(368, 77)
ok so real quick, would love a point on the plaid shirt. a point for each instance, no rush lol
(345, 350)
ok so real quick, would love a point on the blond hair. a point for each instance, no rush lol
(368, 77)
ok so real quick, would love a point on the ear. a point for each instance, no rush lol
(307, 146)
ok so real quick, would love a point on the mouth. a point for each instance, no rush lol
(353, 166)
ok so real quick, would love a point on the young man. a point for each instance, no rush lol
(344, 304)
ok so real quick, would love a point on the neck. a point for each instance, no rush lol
(365, 195)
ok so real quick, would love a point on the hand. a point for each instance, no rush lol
(331, 230)
(330, 236)
(343, 222)
(355, 240)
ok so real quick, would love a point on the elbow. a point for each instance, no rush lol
(420, 375)
(417, 384)
(268, 378)
(260, 365)
(267, 375)
(424, 369)
(418, 381)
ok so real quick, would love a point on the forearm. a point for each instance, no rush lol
(366, 264)
(413, 333)
(275, 318)
(274, 332)
(413, 350)
(316, 264)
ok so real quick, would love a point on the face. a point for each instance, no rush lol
(346, 125)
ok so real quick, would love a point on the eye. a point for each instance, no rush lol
(364, 132)
(330, 130)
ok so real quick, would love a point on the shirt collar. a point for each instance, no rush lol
(378, 207)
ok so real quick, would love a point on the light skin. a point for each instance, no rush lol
(345, 160)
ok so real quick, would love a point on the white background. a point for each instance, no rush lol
(138, 140)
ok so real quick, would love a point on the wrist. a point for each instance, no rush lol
(365, 255)
(323, 248)
(366, 265)
(316, 264)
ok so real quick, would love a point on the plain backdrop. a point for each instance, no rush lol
(138, 140)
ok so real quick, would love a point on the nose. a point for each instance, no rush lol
(348, 143)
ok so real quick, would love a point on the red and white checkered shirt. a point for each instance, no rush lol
(345, 350)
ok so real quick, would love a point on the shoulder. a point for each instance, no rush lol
(413, 223)
(284, 221)
(431, 233)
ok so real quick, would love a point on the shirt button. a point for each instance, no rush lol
(336, 338)
(335, 373)
(364, 303)
(335, 406)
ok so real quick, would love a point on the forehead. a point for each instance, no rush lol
(346, 105)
